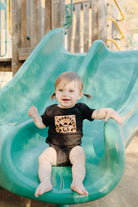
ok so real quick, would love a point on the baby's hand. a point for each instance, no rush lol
(32, 111)
(114, 115)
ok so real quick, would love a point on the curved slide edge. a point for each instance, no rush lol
(129, 113)
(110, 169)
(106, 175)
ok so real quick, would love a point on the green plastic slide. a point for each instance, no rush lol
(112, 80)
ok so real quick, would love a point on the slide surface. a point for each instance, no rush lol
(112, 80)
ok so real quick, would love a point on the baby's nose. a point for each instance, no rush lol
(65, 92)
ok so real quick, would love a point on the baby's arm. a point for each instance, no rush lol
(33, 112)
(106, 113)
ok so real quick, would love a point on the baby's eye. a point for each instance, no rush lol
(71, 91)
(60, 90)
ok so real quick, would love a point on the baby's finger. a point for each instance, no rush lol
(106, 118)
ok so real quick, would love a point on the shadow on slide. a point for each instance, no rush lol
(112, 80)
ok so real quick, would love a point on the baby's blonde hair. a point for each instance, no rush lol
(68, 77)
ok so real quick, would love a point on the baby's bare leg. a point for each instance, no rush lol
(46, 160)
(77, 159)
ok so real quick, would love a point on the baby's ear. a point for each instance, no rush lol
(80, 96)
(53, 96)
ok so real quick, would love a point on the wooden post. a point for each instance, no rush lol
(99, 15)
(15, 35)
(48, 16)
(28, 23)
(94, 5)
(69, 38)
(102, 16)
(35, 22)
(86, 6)
(42, 14)
(58, 13)
(77, 32)
(23, 24)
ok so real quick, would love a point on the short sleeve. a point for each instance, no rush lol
(86, 111)
(45, 117)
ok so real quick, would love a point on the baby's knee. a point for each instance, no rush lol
(77, 155)
(49, 155)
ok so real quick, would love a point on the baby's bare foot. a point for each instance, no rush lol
(43, 188)
(79, 188)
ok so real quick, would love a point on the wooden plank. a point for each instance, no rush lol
(38, 21)
(35, 23)
(58, 13)
(23, 24)
(86, 6)
(1, 76)
(62, 12)
(109, 25)
(33, 35)
(42, 18)
(28, 23)
(5, 77)
(48, 15)
(24, 53)
(5, 59)
(77, 31)
(15, 35)
(69, 38)
(94, 27)
(55, 13)
(102, 16)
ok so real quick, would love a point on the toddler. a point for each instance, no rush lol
(65, 121)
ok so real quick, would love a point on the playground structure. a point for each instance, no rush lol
(20, 139)
(104, 144)
(27, 21)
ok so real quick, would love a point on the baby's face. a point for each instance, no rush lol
(68, 94)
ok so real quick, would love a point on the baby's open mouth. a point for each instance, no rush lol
(65, 99)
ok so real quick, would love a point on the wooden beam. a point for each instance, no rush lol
(35, 22)
(24, 53)
(94, 27)
(58, 13)
(55, 14)
(77, 31)
(69, 38)
(16, 43)
(86, 6)
(102, 16)
(48, 15)
(23, 24)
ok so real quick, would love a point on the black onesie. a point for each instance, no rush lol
(65, 128)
